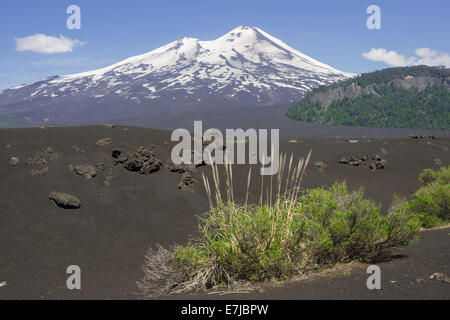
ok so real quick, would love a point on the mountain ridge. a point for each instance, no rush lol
(245, 67)
(415, 97)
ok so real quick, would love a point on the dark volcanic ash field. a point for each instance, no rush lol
(123, 213)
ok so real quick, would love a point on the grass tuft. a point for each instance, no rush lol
(290, 232)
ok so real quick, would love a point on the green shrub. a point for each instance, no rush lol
(431, 203)
(322, 227)
(442, 176)
(300, 231)
(295, 234)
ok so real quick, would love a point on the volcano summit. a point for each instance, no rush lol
(245, 67)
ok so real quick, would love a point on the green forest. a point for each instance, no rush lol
(393, 107)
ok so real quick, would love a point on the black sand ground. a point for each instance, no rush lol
(107, 237)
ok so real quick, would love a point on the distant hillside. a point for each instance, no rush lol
(406, 97)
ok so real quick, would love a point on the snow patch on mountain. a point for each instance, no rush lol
(246, 66)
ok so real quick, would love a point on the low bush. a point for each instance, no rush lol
(431, 203)
(300, 231)
(441, 176)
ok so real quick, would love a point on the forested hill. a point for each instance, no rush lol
(404, 97)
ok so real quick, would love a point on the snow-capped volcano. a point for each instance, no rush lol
(245, 67)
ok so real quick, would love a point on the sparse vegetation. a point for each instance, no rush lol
(291, 232)
(432, 201)
(442, 176)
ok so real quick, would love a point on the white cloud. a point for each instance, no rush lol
(389, 57)
(426, 52)
(424, 56)
(42, 43)
(432, 57)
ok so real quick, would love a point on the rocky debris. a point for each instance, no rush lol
(320, 165)
(142, 161)
(42, 158)
(377, 162)
(187, 182)
(39, 159)
(383, 151)
(77, 149)
(445, 148)
(179, 168)
(142, 164)
(65, 200)
(419, 137)
(440, 277)
(353, 160)
(108, 180)
(116, 153)
(438, 162)
(120, 160)
(119, 157)
(84, 170)
(194, 156)
(42, 172)
(101, 166)
(104, 142)
(420, 281)
(8, 146)
(14, 161)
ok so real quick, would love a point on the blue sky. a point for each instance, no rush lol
(333, 32)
